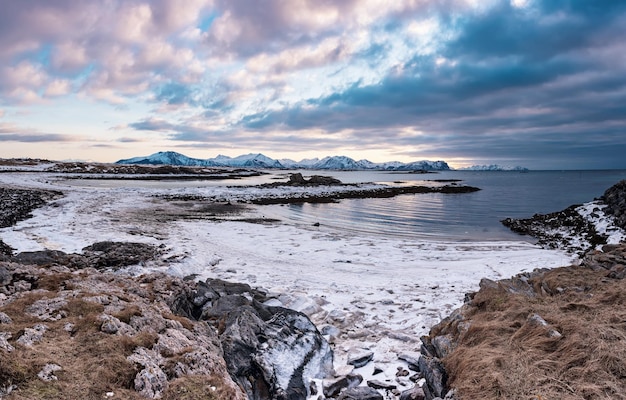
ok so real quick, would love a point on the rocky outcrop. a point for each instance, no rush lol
(615, 199)
(93, 333)
(566, 229)
(356, 193)
(578, 228)
(102, 256)
(271, 352)
(17, 204)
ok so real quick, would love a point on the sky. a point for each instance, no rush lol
(534, 83)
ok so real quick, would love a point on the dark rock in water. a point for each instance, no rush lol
(360, 393)
(333, 387)
(298, 180)
(323, 180)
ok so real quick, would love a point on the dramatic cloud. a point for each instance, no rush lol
(537, 82)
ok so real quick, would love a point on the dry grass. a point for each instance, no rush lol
(93, 363)
(503, 356)
(198, 388)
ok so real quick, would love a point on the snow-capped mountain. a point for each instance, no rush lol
(169, 158)
(493, 167)
(292, 164)
(261, 161)
(247, 160)
(337, 162)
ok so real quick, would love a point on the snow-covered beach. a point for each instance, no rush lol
(367, 293)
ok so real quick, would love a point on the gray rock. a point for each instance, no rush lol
(47, 373)
(412, 362)
(4, 342)
(257, 341)
(360, 360)
(110, 324)
(151, 382)
(376, 384)
(443, 345)
(5, 319)
(33, 335)
(360, 393)
(435, 375)
(416, 393)
(333, 387)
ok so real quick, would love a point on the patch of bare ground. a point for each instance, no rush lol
(558, 334)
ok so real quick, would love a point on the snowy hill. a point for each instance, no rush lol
(258, 160)
(247, 160)
(169, 158)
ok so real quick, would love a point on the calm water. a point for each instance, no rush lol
(470, 216)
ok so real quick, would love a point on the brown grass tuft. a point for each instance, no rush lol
(198, 387)
(504, 356)
(127, 313)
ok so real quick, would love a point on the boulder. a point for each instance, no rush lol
(360, 393)
(361, 359)
(333, 387)
(435, 375)
(274, 352)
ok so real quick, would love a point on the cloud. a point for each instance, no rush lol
(449, 77)
(509, 82)
(11, 133)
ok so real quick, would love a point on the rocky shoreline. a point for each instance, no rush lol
(576, 227)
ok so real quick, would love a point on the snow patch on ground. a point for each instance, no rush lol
(604, 224)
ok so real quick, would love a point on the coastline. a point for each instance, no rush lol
(380, 294)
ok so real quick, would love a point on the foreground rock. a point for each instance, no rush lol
(553, 333)
(271, 352)
(148, 337)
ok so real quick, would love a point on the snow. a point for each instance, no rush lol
(594, 212)
(381, 293)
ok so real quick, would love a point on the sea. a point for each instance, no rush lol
(451, 217)
(458, 217)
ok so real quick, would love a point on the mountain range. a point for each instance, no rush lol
(261, 161)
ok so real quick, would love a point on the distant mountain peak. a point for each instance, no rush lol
(259, 160)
